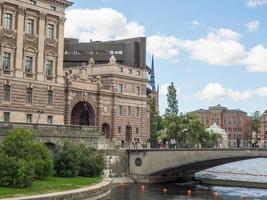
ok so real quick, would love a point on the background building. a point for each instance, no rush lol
(235, 122)
(263, 128)
(129, 52)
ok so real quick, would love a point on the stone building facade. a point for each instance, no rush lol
(236, 123)
(37, 89)
(111, 97)
(263, 129)
(31, 57)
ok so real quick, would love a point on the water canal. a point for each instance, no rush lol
(180, 192)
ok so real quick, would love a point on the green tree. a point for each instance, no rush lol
(92, 162)
(22, 145)
(172, 100)
(156, 123)
(67, 161)
(256, 121)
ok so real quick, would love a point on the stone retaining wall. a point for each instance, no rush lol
(233, 183)
(95, 192)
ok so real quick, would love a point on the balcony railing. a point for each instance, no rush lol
(40, 127)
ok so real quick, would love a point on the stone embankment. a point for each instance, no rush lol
(95, 192)
(233, 183)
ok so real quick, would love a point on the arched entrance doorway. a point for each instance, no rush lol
(83, 114)
(106, 130)
(128, 133)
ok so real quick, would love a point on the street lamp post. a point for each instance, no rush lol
(40, 112)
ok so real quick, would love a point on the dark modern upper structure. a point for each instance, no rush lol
(129, 52)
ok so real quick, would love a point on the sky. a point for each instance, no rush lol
(214, 51)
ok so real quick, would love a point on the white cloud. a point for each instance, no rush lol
(220, 47)
(100, 24)
(255, 3)
(164, 89)
(252, 26)
(195, 23)
(256, 60)
(262, 91)
(215, 91)
(163, 47)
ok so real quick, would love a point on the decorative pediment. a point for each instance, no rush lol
(30, 49)
(82, 75)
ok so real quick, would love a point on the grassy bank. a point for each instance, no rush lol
(52, 184)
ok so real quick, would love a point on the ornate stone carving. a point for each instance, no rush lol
(21, 10)
(9, 33)
(30, 38)
(81, 75)
(112, 60)
(91, 62)
(42, 16)
(61, 20)
(50, 42)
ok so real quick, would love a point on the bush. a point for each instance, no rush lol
(91, 162)
(21, 144)
(15, 173)
(67, 160)
(43, 161)
(72, 160)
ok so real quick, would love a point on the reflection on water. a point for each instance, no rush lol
(179, 192)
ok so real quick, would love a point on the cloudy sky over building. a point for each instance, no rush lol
(215, 52)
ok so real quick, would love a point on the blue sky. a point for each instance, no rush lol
(215, 52)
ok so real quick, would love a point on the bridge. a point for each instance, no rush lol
(157, 165)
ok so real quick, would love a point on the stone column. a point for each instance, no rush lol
(59, 69)
(1, 13)
(19, 49)
(41, 40)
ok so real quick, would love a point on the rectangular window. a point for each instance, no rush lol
(49, 119)
(29, 95)
(129, 110)
(120, 88)
(138, 73)
(52, 8)
(28, 65)
(137, 111)
(6, 95)
(137, 131)
(49, 68)
(6, 60)
(120, 109)
(30, 26)
(234, 119)
(130, 71)
(50, 31)
(50, 97)
(119, 129)
(138, 90)
(33, 2)
(6, 116)
(8, 21)
(29, 118)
